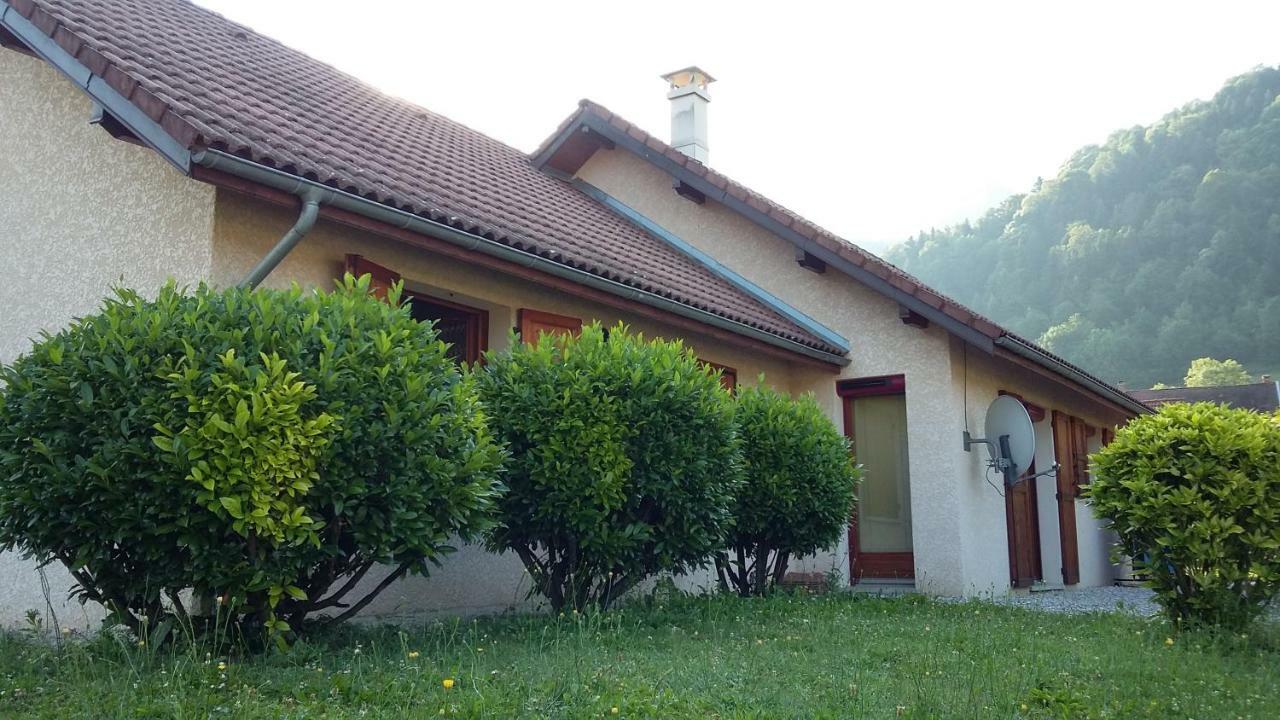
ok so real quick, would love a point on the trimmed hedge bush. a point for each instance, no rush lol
(798, 491)
(262, 447)
(1194, 493)
(624, 461)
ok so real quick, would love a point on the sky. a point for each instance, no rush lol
(873, 119)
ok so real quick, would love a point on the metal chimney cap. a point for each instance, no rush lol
(692, 75)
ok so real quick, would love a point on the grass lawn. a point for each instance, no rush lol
(837, 657)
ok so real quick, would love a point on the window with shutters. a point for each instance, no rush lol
(465, 329)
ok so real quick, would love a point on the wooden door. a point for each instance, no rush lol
(1064, 448)
(535, 322)
(880, 534)
(1022, 520)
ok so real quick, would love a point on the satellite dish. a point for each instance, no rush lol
(1010, 438)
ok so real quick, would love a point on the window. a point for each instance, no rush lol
(465, 329)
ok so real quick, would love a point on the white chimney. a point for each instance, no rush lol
(689, 99)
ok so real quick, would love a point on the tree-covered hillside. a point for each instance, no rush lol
(1160, 246)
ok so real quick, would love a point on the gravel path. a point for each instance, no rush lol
(1136, 601)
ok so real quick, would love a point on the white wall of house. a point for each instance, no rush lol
(1095, 540)
(1047, 504)
(79, 213)
(881, 344)
(960, 540)
(987, 376)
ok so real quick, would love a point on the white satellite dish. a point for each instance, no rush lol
(1010, 438)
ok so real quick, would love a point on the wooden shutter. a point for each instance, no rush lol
(381, 279)
(535, 322)
(1063, 449)
(1080, 434)
(728, 375)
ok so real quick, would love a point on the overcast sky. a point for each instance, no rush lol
(873, 119)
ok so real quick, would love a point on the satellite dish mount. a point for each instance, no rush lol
(1010, 440)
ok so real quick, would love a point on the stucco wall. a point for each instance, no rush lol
(881, 344)
(472, 580)
(958, 520)
(79, 213)
(1095, 541)
(986, 376)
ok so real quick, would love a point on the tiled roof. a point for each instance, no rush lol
(893, 275)
(213, 84)
(1261, 396)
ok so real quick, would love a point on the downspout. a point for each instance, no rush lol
(286, 244)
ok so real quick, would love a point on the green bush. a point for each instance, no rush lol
(798, 492)
(267, 448)
(624, 461)
(1194, 493)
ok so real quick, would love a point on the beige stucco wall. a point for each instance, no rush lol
(79, 213)
(958, 521)
(986, 376)
(472, 580)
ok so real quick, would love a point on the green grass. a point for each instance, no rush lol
(837, 657)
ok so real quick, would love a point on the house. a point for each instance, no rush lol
(142, 140)
(1263, 396)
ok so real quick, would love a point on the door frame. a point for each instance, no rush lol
(889, 565)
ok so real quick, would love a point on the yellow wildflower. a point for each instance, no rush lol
(613, 711)
(1168, 641)
(447, 683)
(222, 666)
(413, 654)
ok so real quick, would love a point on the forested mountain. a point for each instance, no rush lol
(1157, 247)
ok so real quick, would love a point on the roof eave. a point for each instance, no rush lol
(144, 127)
(1039, 357)
(394, 217)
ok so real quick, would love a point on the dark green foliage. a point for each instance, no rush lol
(624, 461)
(798, 489)
(257, 446)
(1157, 247)
(1195, 490)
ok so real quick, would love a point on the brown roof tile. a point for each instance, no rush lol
(215, 84)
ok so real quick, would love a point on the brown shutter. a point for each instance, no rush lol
(534, 323)
(1080, 434)
(728, 375)
(1063, 450)
(381, 279)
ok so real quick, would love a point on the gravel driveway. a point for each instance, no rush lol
(1084, 600)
